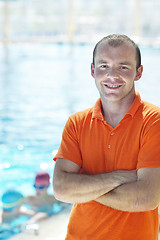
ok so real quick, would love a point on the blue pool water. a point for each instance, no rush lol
(40, 86)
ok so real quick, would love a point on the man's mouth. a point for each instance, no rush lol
(111, 86)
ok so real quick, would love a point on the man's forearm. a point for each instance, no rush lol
(130, 197)
(78, 188)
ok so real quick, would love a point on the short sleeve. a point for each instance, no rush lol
(149, 154)
(69, 148)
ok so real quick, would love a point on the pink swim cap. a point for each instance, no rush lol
(42, 179)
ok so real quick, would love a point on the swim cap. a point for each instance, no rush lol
(42, 179)
(11, 199)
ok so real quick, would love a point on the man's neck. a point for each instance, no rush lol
(114, 112)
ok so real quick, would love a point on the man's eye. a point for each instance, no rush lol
(103, 66)
(124, 67)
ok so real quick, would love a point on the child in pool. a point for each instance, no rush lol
(41, 204)
(12, 207)
(12, 215)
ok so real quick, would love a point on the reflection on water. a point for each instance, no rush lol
(40, 86)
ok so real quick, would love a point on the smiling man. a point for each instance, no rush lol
(108, 163)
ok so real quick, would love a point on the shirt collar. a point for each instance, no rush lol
(135, 105)
(97, 109)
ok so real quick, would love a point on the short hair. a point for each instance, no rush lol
(116, 40)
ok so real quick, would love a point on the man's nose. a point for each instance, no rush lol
(112, 73)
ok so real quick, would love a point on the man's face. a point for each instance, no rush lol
(115, 71)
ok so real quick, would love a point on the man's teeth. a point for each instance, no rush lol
(113, 86)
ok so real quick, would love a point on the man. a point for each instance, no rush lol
(108, 163)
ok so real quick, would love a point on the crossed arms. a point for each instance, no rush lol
(125, 190)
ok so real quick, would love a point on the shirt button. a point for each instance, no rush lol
(112, 133)
(109, 146)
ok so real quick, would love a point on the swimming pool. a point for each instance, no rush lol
(40, 86)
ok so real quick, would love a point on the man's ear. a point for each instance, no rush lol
(139, 73)
(92, 70)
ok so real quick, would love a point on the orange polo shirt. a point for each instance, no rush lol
(97, 147)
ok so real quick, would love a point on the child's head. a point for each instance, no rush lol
(41, 181)
(11, 199)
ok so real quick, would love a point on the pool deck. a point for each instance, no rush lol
(53, 228)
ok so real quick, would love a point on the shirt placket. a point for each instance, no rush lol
(110, 132)
(110, 149)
